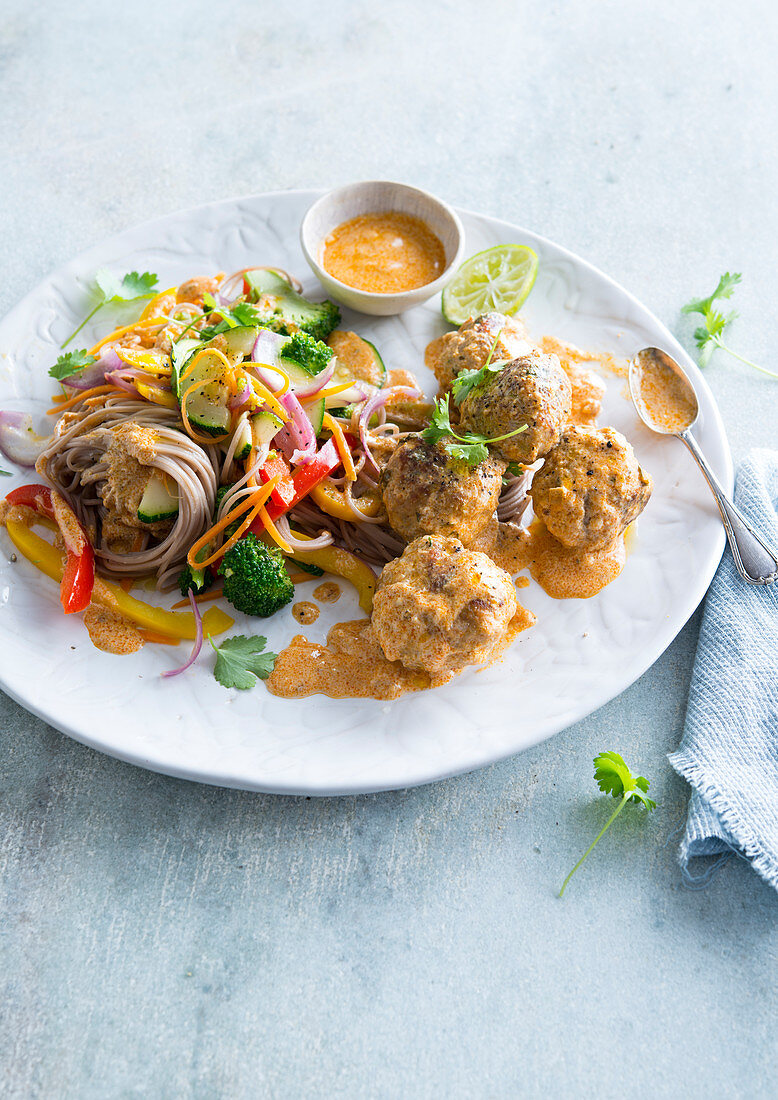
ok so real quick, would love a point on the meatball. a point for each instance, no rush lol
(532, 390)
(194, 289)
(468, 348)
(440, 607)
(427, 492)
(590, 488)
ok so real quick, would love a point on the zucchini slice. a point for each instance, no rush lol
(238, 342)
(315, 413)
(159, 500)
(264, 427)
(181, 352)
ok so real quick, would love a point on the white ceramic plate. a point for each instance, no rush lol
(580, 654)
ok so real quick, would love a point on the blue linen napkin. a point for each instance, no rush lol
(729, 750)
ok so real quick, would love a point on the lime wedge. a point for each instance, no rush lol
(497, 280)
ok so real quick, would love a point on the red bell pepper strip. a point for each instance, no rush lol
(303, 479)
(284, 492)
(78, 578)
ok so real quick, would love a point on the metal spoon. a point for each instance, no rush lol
(667, 403)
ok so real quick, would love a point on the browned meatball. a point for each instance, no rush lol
(427, 492)
(440, 607)
(532, 390)
(590, 488)
(469, 347)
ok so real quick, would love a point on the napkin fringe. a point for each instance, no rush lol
(694, 773)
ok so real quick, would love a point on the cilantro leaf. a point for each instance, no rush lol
(72, 362)
(471, 453)
(708, 336)
(467, 380)
(613, 777)
(241, 660)
(470, 447)
(130, 288)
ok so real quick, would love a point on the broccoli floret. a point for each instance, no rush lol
(312, 355)
(282, 309)
(198, 580)
(255, 579)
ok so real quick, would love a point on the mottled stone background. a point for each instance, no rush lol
(162, 939)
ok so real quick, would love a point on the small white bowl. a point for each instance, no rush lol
(373, 197)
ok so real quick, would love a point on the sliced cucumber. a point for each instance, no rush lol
(358, 358)
(243, 445)
(181, 351)
(207, 409)
(264, 427)
(159, 500)
(315, 413)
(238, 342)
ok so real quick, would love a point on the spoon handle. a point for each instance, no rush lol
(754, 560)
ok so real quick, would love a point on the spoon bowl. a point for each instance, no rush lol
(666, 402)
(662, 392)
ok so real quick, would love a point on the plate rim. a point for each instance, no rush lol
(542, 731)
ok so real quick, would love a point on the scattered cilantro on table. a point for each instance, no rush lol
(614, 777)
(708, 336)
(241, 660)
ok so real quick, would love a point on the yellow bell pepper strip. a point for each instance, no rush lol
(156, 395)
(332, 501)
(148, 359)
(341, 563)
(173, 624)
(160, 303)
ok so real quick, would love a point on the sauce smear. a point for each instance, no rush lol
(350, 666)
(384, 253)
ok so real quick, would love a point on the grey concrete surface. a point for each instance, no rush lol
(161, 939)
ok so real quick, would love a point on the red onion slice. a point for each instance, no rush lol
(198, 645)
(18, 442)
(318, 381)
(375, 402)
(297, 438)
(94, 374)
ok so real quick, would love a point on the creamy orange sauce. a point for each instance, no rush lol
(433, 351)
(350, 666)
(384, 253)
(305, 612)
(562, 573)
(111, 632)
(328, 592)
(571, 354)
(666, 397)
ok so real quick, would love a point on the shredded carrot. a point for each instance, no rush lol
(144, 322)
(272, 530)
(95, 391)
(262, 391)
(126, 583)
(343, 448)
(252, 504)
(204, 597)
(158, 639)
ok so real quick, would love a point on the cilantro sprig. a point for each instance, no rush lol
(467, 380)
(614, 777)
(132, 287)
(708, 335)
(72, 362)
(237, 315)
(470, 447)
(241, 660)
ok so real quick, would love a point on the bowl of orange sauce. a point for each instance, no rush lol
(381, 247)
